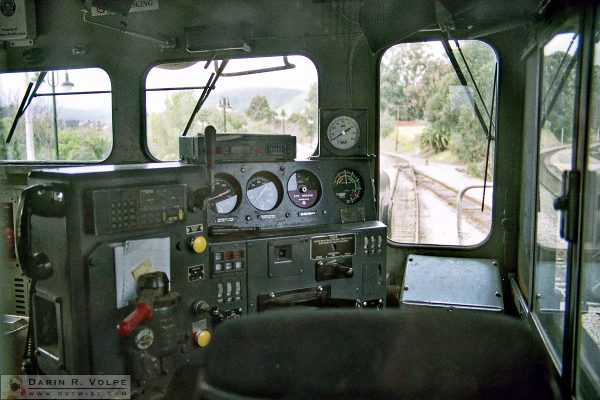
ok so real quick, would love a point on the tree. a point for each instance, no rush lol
(259, 109)
(407, 75)
(454, 126)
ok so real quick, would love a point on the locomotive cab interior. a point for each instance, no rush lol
(300, 199)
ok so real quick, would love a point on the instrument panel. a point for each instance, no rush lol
(287, 194)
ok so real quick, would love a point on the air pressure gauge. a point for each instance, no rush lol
(344, 132)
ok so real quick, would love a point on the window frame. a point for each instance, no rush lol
(493, 160)
(110, 108)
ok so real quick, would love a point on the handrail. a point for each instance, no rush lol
(459, 199)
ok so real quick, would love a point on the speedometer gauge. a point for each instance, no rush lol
(264, 191)
(348, 186)
(304, 189)
(226, 194)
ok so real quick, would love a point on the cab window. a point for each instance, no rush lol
(54, 116)
(437, 142)
(267, 95)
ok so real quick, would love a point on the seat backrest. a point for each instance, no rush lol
(417, 353)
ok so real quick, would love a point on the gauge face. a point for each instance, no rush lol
(264, 191)
(304, 189)
(343, 132)
(348, 186)
(226, 194)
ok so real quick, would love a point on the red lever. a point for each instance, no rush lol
(141, 312)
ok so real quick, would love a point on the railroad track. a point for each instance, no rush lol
(405, 203)
(471, 210)
(405, 206)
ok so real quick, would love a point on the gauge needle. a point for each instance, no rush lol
(261, 192)
(219, 195)
(341, 134)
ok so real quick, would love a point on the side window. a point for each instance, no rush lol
(436, 141)
(560, 59)
(60, 115)
(258, 95)
(588, 358)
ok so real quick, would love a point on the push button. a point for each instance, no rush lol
(198, 244)
(202, 338)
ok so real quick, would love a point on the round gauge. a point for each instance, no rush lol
(343, 132)
(304, 189)
(348, 186)
(264, 191)
(226, 194)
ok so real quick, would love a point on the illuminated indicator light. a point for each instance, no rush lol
(239, 254)
(228, 265)
(229, 255)
(202, 338)
(238, 265)
(218, 267)
(218, 256)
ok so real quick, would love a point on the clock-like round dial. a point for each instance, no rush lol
(343, 132)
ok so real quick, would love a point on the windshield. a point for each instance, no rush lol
(280, 100)
(437, 119)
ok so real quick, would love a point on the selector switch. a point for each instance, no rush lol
(200, 307)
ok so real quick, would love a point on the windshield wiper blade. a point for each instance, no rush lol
(25, 102)
(210, 84)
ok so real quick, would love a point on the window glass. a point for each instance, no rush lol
(68, 117)
(588, 361)
(277, 101)
(557, 102)
(434, 149)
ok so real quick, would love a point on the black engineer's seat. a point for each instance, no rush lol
(422, 353)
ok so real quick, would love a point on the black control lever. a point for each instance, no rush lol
(334, 269)
(210, 145)
(43, 201)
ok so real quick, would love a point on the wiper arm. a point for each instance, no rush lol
(463, 81)
(25, 102)
(547, 108)
(210, 84)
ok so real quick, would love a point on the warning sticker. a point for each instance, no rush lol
(138, 5)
